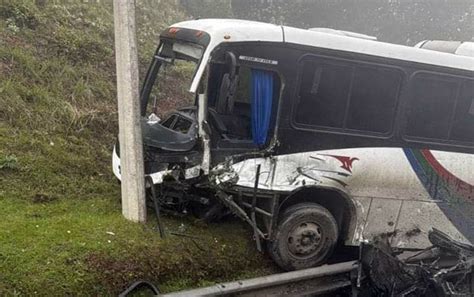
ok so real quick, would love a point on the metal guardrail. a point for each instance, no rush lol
(312, 281)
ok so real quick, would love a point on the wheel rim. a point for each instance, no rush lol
(304, 240)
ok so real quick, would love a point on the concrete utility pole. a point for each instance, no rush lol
(130, 134)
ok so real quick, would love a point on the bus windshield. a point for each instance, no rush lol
(169, 77)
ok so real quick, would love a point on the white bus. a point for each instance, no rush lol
(314, 137)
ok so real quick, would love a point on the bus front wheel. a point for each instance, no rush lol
(305, 237)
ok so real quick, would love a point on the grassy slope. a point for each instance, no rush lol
(61, 230)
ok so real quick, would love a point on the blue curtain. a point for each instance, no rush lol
(262, 95)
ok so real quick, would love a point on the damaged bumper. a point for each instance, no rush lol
(158, 176)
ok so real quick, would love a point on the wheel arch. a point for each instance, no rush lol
(331, 198)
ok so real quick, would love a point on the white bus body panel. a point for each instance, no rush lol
(391, 197)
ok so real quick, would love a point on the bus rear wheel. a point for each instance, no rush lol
(305, 237)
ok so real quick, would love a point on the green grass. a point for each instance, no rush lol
(60, 204)
(85, 247)
(61, 231)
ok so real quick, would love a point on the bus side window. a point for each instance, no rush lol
(431, 107)
(463, 123)
(374, 97)
(348, 96)
(323, 94)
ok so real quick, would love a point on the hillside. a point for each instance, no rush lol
(62, 231)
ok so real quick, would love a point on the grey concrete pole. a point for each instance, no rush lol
(130, 136)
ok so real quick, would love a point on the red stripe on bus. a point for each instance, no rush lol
(454, 183)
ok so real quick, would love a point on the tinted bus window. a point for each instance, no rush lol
(348, 96)
(463, 123)
(323, 94)
(373, 99)
(431, 106)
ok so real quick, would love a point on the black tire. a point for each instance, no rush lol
(305, 237)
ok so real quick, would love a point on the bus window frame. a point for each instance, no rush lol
(460, 81)
(239, 49)
(155, 66)
(353, 63)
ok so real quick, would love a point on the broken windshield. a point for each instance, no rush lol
(169, 77)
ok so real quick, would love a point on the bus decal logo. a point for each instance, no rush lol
(345, 161)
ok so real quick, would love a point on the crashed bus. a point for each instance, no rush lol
(314, 137)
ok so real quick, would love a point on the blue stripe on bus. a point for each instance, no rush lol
(460, 217)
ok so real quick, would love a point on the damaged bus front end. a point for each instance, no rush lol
(172, 150)
(207, 127)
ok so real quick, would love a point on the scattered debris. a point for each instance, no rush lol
(445, 269)
(192, 238)
(182, 228)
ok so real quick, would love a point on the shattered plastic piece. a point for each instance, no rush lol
(224, 175)
(153, 119)
(182, 228)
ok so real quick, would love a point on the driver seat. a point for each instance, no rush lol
(225, 102)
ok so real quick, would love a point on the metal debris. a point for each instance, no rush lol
(444, 269)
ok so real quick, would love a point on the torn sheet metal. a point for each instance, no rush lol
(288, 172)
(428, 276)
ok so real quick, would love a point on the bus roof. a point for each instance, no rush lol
(243, 30)
(238, 30)
(233, 30)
